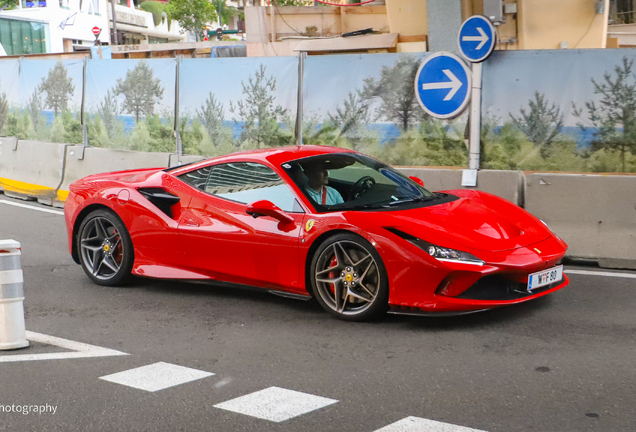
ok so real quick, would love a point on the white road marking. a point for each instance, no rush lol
(276, 404)
(45, 210)
(156, 376)
(78, 350)
(417, 424)
(597, 273)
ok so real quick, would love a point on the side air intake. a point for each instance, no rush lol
(161, 199)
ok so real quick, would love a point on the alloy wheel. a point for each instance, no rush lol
(347, 278)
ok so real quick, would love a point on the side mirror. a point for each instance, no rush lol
(267, 208)
(417, 180)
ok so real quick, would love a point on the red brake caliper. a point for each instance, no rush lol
(119, 247)
(333, 263)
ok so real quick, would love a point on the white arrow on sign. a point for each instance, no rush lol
(454, 85)
(482, 39)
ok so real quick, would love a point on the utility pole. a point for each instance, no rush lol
(114, 40)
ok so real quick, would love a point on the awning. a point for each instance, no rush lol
(385, 41)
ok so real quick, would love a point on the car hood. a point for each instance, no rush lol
(477, 221)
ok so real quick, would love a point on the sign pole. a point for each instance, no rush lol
(475, 119)
(477, 39)
(299, 109)
(114, 41)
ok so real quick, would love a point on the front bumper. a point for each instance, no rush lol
(501, 281)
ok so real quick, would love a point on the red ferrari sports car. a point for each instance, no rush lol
(313, 221)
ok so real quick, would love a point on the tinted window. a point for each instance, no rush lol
(244, 182)
(353, 181)
(197, 178)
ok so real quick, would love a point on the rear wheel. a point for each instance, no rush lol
(105, 249)
(348, 278)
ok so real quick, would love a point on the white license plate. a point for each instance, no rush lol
(545, 277)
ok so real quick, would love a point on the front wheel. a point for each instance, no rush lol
(348, 278)
(105, 248)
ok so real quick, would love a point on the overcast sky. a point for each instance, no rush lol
(32, 72)
(564, 76)
(223, 77)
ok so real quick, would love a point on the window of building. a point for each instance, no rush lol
(23, 37)
(33, 3)
(93, 7)
(154, 40)
(622, 12)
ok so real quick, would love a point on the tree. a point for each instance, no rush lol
(58, 87)
(159, 11)
(34, 108)
(211, 117)
(18, 125)
(352, 119)
(615, 115)
(108, 111)
(542, 123)
(192, 15)
(224, 12)
(140, 89)
(4, 109)
(9, 4)
(396, 93)
(259, 114)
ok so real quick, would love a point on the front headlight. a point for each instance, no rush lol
(446, 254)
(438, 252)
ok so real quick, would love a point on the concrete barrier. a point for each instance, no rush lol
(31, 169)
(82, 162)
(594, 214)
(505, 184)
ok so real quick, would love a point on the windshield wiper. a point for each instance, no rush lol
(366, 206)
(412, 200)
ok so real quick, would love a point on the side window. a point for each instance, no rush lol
(197, 178)
(246, 182)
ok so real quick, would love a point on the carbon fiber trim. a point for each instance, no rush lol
(499, 288)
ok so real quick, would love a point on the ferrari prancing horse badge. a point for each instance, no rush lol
(309, 225)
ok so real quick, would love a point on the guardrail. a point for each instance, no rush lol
(594, 214)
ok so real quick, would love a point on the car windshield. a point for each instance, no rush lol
(352, 181)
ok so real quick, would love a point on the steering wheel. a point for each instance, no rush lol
(362, 186)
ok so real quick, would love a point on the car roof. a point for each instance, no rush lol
(275, 156)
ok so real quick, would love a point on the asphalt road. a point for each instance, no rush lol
(565, 362)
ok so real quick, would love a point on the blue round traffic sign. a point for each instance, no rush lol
(442, 85)
(477, 38)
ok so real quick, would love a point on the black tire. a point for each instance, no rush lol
(348, 278)
(105, 249)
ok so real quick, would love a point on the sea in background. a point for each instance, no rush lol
(388, 132)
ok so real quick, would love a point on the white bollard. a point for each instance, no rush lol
(12, 329)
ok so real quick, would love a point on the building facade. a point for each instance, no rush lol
(37, 27)
(57, 26)
(433, 25)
